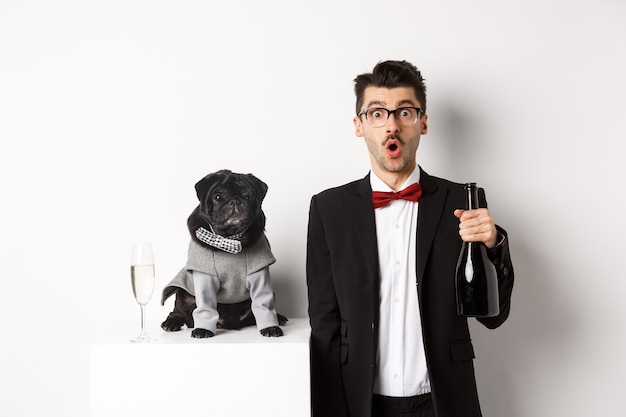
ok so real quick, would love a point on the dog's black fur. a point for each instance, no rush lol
(230, 203)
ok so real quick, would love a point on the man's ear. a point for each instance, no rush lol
(358, 126)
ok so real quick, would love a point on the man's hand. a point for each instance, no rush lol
(477, 226)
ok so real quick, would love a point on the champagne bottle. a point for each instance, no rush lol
(476, 279)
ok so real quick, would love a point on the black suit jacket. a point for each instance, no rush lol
(343, 288)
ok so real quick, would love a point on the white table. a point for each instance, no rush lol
(235, 373)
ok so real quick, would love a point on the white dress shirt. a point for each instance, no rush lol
(401, 366)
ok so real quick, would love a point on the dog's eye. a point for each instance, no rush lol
(217, 197)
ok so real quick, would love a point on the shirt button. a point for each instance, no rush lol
(396, 226)
(396, 300)
(397, 262)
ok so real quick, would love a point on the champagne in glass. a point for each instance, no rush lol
(142, 280)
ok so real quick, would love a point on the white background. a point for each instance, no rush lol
(110, 111)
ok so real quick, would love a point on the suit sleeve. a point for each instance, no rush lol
(327, 390)
(501, 258)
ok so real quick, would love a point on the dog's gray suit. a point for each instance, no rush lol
(214, 276)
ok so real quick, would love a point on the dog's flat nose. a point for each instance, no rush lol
(234, 202)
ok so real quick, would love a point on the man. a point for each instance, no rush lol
(386, 339)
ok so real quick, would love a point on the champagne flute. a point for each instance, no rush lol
(142, 280)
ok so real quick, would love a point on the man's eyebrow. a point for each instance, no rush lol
(377, 103)
(405, 102)
(374, 103)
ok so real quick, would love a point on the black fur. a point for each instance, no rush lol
(243, 192)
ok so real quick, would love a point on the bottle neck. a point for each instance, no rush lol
(471, 200)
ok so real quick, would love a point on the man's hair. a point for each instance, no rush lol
(391, 74)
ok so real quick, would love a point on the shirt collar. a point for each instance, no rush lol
(378, 184)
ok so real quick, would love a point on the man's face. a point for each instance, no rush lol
(392, 147)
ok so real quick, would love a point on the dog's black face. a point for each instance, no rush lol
(230, 203)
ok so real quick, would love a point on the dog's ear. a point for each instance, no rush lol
(204, 185)
(259, 187)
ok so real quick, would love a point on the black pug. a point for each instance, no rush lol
(226, 282)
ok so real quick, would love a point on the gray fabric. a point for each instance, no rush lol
(259, 287)
(205, 316)
(230, 269)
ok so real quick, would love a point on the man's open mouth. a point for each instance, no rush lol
(393, 148)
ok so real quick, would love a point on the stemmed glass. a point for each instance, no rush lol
(142, 280)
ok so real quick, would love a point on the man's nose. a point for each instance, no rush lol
(392, 123)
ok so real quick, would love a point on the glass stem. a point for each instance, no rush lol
(143, 315)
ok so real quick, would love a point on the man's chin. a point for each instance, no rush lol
(397, 165)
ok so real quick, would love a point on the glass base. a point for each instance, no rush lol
(143, 338)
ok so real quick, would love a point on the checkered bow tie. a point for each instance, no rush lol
(411, 193)
(230, 244)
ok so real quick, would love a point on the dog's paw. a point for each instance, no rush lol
(273, 331)
(282, 319)
(201, 333)
(172, 325)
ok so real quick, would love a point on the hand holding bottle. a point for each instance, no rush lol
(477, 226)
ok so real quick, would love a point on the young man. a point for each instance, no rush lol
(386, 339)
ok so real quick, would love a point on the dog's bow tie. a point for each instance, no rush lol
(381, 198)
(229, 244)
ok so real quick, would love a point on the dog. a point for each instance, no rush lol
(226, 282)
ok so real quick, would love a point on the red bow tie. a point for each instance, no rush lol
(381, 198)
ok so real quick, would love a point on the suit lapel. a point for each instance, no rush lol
(359, 202)
(431, 207)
